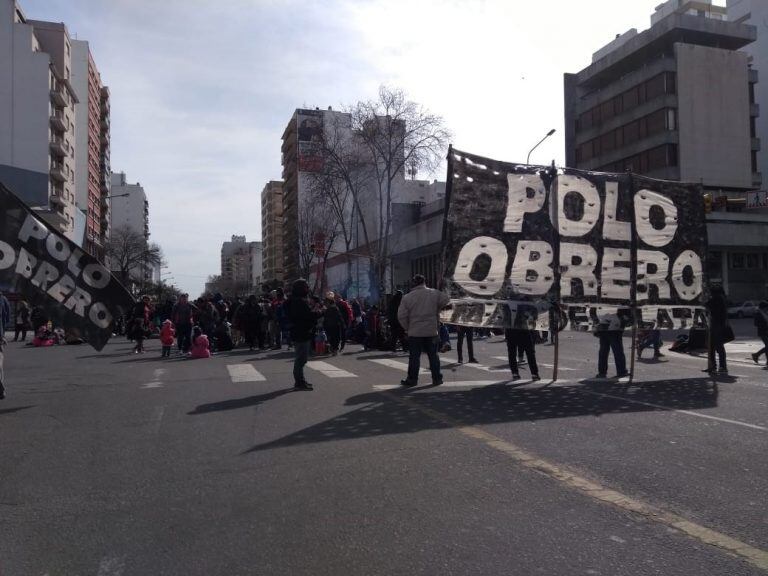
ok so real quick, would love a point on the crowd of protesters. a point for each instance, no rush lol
(320, 325)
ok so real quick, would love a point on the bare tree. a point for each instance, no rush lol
(129, 255)
(397, 134)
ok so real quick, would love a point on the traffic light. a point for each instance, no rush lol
(707, 203)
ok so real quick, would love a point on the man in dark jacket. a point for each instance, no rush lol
(182, 317)
(761, 322)
(718, 331)
(303, 320)
(5, 320)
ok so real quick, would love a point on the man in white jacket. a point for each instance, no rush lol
(419, 316)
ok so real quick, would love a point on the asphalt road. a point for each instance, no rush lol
(115, 464)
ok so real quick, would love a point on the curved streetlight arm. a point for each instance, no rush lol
(528, 158)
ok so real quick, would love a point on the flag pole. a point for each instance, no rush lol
(554, 307)
(632, 277)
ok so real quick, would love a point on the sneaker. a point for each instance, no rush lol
(437, 382)
(755, 358)
(460, 361)
(303, 386)
(658, 355)
(623, 375)
(601, 376)
(515, 376)
(407, 383)
(473, 361)
(535, 378)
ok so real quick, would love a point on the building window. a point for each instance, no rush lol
(737, 261)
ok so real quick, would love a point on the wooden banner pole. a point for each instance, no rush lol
(632, 276)
(554, 307)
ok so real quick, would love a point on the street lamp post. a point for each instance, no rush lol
(528, 158)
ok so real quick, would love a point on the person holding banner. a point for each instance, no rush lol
(419, 316)
(521, 341)
(5, 319)
(610, 330)
(720, 331)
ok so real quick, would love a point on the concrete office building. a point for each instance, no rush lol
(37, 115)
(755, 12)
(272, 230)
(237, 265)
(257, 266)
(91, 147)
(676, 102)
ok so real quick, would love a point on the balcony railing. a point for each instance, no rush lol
(58, 98)
(59, 147)
(58, 172)
(58, 121)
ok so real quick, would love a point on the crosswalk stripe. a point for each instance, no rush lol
(457, 384)
(395, 364)
(482, 367)
(244, 373)
(329, 370)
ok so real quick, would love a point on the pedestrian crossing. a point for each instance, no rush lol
(340, 368)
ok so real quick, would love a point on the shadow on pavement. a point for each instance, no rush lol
(399, 411)
(237, 403)
(16, 409)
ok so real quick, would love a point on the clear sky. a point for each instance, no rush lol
(202, 90)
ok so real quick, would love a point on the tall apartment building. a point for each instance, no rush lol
(272, 230)
(755, 12)
(676, 102)
(91, 144)
(37, 115)
(129, 206)
(237, 259)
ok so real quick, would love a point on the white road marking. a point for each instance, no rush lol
(465, 384)
(111, 566)
(482, 367)
(244, 373)
(329, 370)
(667, 408)
(156, 382)
(539, 363)
(396, 364)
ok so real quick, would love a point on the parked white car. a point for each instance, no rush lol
(745, 310)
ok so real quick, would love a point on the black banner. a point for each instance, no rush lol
(75, 290)
(524, 243)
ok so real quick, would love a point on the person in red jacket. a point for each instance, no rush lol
(167, 337)
(201, 348)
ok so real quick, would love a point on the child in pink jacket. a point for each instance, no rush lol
(167, 337)
(201, 348)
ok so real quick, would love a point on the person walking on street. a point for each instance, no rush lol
(333, 323)
(22, 320)
(462, 333)
(5, 320)
(419, 316)
(303, 320)
(720, 331)
(761, 322)
(610, 330)
(396, 332)
(182, 317)
(521, 341)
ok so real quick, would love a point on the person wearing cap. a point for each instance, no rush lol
(419, 316)
(5, 320)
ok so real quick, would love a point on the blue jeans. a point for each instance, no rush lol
(301, 350)
(417, 345)
(611, 341)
